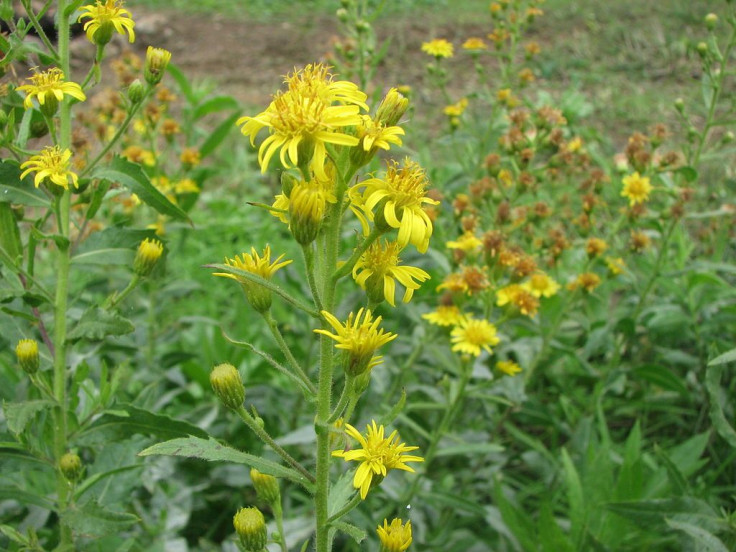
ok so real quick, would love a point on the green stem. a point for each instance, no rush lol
(362, 248)
(62, 296)
(287, 352)
(655, 273)
(346, 509)
(278, 513)
(343, 400)
(41, 33)
(266, 438)
(308, 252)
(116, 298)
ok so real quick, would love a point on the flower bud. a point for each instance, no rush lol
(157, 59)
(680, 105)
(307, 205)
(342, 15)
(228, 385)
(136, 91)
(702, 49)
(250, 525)
(710, 21)
(267, 487)
(148, 254)
(392, 108)
(27, 353)
(728, 137)
(71, 466)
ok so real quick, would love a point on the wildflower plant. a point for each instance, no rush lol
(69, 266)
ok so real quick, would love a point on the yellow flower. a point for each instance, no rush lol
(190, 157)
(636, 188)
(186, 186)
(445, 315)
(373, 134)
(454, 283)
(471, 335)
(104, 19)
(616, 265)
(575, 144)
(595, 247)
(399, 198)
(27, 353)
(359, 337)
(541, 285)
(302, 119)
(307, 204)
(49, 88)
(587, 280)
(395, 537)
(51, 163)
(475, 43)
(520, 297)
(439, 48)
(639, 241)
(467, 242)
(148, 254)
(508, 367)
(378, 455)
(456, 109)
(157, 60)
(378, 269)
(260, 265)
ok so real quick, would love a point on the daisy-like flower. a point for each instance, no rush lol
(302, 120)
(373, 134)
(359, 337)
(395, 537)
(475, 43)
(49, 88)
(454, 283)
(639, 241)
(439, 48)
(445, 315)
(587, 280)
(106, 18)
(541, 285)
(456, 109)
(508, 367)
(258, 296)
(472, 335)
(520, 297)
(616, 265)
(378, 269)
(595, 247)
(467, 242)
(399, 197)
(636, 188)
(51, 163)
(378, 455)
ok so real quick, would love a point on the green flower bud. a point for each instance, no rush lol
(680, 105)
(250, 525)
(157, 59)
(267, 487)
(228, 385)
(392, 108)
(148, 254)
(710, 21)
(702, 49)
(71, 466)
(27, 353)
(136, 91)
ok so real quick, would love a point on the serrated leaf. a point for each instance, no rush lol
(212, 451)
(355, 533)
(340, 493)
(705, 540)
(15, 190)
(19, 415)
(96, 324)
(93, 520)
(129, 420)
(132, 176)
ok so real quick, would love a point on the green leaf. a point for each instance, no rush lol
(19, 415)
(13, 534)
(93, 520)
(661, 376)
(646, 513)
(575, 497)
(15, 190)
(111, 246)
(25, 497)
(218, 103)
(130, 420)
(688, 173)
(518, 523)
(728, 356)
(340, 493)
(218, 135)
(90, 482)
(470, 449)
(717, 397)
(358, 535)
(395, 411)
(551, 537)
(705, 540)
(212, 451)
(131, 176)
(96, 324)
(455, 502)
(9, 234)
(182, 82)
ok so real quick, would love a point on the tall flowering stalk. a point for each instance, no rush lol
(321, 133)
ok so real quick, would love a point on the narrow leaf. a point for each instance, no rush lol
(715, 396)
(705, 541)
(130, 420)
